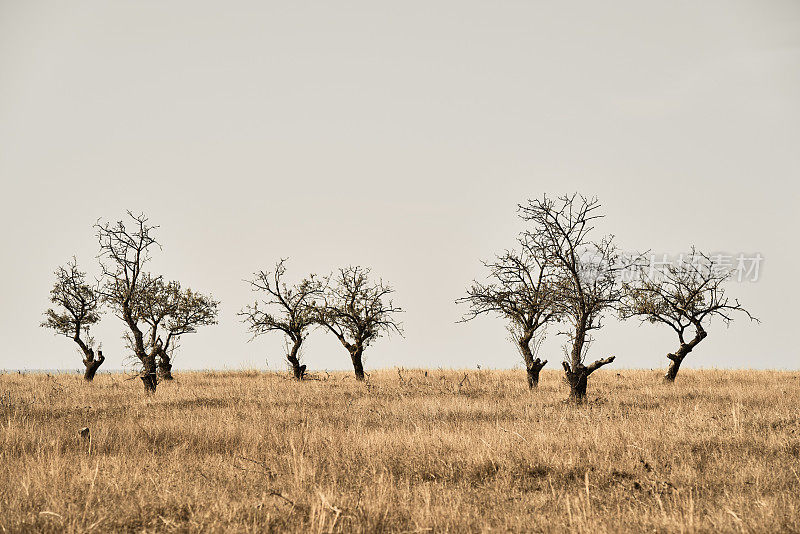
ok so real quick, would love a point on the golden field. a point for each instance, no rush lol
(409, 451)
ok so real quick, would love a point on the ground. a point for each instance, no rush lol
(409, 451)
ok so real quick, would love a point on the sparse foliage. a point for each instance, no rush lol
(123, 253)
(587, 272)
(169, 313)
(77, 309)
(146, 301)
(291, 309)
(686, 295)
(522, 291)
(358, 311)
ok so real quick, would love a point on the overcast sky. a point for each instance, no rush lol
(399, 136)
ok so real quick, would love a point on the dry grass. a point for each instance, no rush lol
(248, 451)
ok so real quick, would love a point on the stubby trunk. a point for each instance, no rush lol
(676, 358)
(164, 366)
(577, 380)
(533, 372)
(92, 364)
(149, 374)
(293, 357)
(577, 376)
(358, 366)
(533, 366)
(89, 361)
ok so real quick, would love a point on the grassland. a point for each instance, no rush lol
(410, 451)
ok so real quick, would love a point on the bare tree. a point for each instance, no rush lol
(123, 253)
(358, 312)
(588, 271)
(685, 295)
(78, 309)
(296, 310)
(522, 292)
(170, 312)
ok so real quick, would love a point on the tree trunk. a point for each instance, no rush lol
(576, 373)
(578, 380)
(149, 374)
(358, 366)
(294, 360)
(677, 357)
(576, 355)
(578, 377)
(89, 360)
(533, 372)
(164, 366)
(92, 364)
(533, 366)
(674, 366)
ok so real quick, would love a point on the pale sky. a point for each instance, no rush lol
(399, 136)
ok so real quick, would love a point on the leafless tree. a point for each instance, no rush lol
(358, 312)
(588, 273)
(684, 295)
(170, 311)
(78, 308)
(521, 291)
(123, 253)
(295, 310)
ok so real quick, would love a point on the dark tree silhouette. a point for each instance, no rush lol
(293, 310)
(170, 312)
(358, 312)
(588, 274)
(123, 253)
(686, 295)
(78, 308)
(522, 291)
